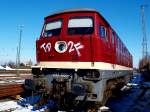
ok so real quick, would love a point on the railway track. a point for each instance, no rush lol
(10, 90)
(11, 85)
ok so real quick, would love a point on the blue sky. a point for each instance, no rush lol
(123, 15)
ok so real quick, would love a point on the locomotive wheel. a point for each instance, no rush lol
(108, 91)
(110, 85)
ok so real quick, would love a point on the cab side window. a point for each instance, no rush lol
(113, 38)
(103, 32)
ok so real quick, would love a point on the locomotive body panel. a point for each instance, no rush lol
(83, 47)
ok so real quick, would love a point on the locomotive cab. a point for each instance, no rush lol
(66, 38)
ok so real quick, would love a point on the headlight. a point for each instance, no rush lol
(61, 46)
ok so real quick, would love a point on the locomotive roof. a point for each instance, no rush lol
(77, 10)
(73, 10)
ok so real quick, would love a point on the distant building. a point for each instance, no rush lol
(29, 63)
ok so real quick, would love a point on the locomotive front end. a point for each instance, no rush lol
(64, 55)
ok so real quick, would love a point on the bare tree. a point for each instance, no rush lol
(144, 63)
(29, 63)
(11, 64)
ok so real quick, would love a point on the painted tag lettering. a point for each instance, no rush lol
(71, 46)
(74, 47)
(46, 47)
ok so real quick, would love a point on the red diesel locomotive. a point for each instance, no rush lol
(80, 53)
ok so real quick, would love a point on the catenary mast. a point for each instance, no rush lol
(144, 36)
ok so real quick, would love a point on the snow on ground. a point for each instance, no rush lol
(13, 106)
(7, 105)
(11, 81)
(7, 75)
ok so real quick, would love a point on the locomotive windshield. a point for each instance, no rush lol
(53, 28)
(82, 25)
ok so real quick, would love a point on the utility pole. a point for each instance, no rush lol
(144, 38)
(17, 57)
(19, 48)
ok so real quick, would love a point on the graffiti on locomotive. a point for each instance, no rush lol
(62, 47)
